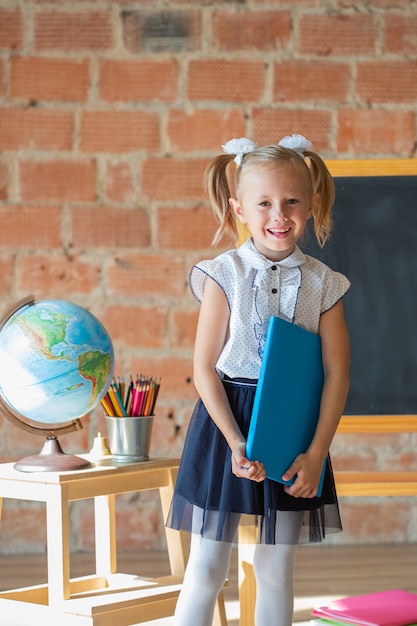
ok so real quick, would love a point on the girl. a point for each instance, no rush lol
(277, 188)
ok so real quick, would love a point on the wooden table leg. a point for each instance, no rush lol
(246, 577)
(220, 612)
(58, 542)
(105, 535)
(177, 542)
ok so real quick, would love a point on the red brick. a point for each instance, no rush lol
(82, 512)
(157, 31)
(119, 131)
(176, 417)
(401, 34)
(165, 440)
(4, 179)
(15, 439)
(270, 125)
(144, 275)
(141, 525)
(143, 2)
(346, 34)
(176, 376)
(61, 180)
(205, 129)
(140, 516)
(184, 328)
(2, 78)
(403, 461)
(31, 128)
(284, 3)
(187, 229)
(232, 81)
(143, 80)
(384, 521)
(251, 30)
(59, 276)
(372, 440)
(375, 132)
(6, 276)
(139, 522)
(382, 4)
(103, 226)
(311, 81)
(118, 182)
(137, 326)
(35, 226)
(49, 79)
(96, 422)
(23, 527)
(357, 461)
(11, 29)
(210, 3)
(82, 30)
(389, 81)
(172, 179)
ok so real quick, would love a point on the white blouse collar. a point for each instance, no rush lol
(258, 261)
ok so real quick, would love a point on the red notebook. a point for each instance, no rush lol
(383, 608)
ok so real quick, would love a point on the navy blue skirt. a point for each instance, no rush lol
(210, 500)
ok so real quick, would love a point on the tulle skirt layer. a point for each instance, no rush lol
(208, 499)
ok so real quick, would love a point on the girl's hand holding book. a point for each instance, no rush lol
(307, 472)
(243, 468)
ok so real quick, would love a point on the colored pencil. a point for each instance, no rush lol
(138, 399)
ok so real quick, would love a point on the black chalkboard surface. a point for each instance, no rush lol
(374, 243)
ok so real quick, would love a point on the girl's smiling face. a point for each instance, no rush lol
(275, 202)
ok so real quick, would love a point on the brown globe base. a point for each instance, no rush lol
(51, 458)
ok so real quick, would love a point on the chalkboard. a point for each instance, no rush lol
(374, 243)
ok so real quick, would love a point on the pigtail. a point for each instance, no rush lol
(219, 182)
(323, 185)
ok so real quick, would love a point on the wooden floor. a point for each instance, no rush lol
(322, 573)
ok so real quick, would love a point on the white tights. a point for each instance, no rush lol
(205, 575)
(274, 571)
(207, 570)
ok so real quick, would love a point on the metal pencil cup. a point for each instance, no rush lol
(129, 438)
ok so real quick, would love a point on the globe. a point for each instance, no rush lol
(56, 364)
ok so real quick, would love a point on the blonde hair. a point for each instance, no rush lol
(221, 183)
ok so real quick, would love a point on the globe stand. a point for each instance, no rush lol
(51, 458)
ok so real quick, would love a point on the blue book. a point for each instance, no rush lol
(287, 399)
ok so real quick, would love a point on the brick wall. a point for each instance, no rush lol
(109, 113)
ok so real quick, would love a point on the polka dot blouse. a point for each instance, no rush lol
(299, 289)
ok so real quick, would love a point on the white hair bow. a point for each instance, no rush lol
(298, 143)
(239, 147)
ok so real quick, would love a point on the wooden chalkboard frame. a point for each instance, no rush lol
(376, 167)
(373, 167)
